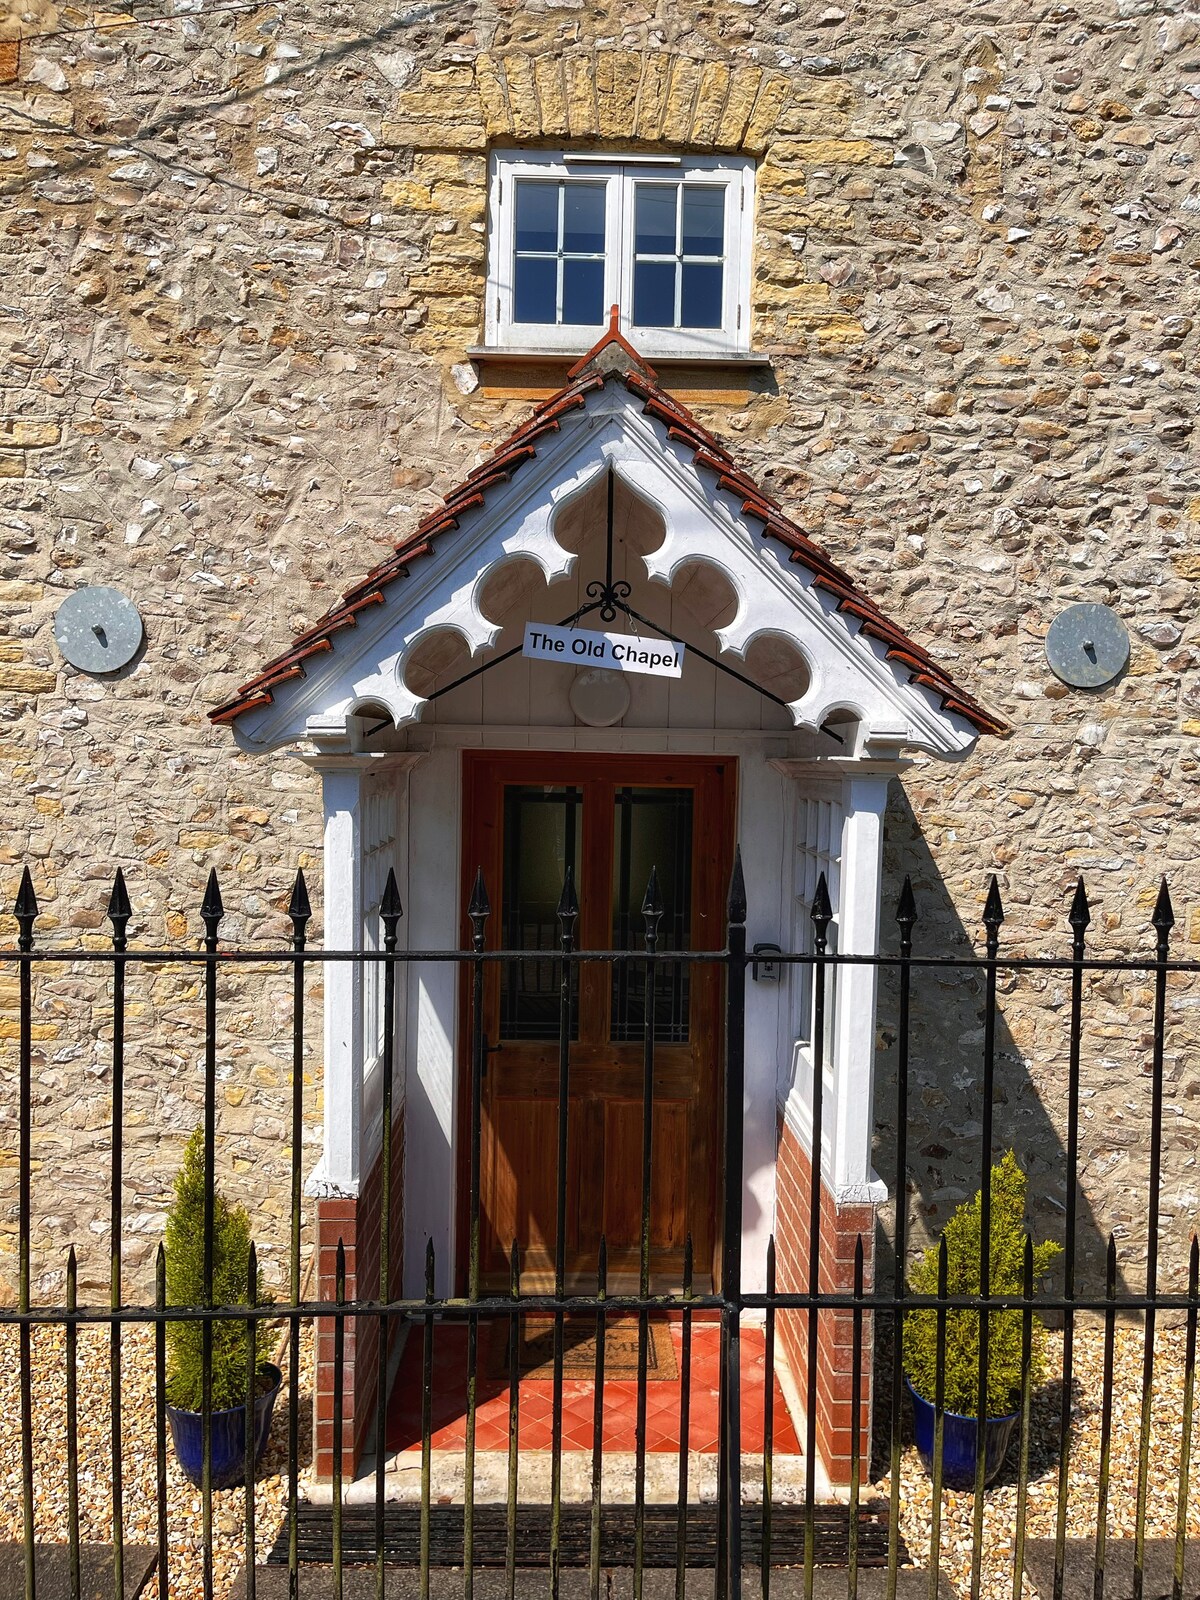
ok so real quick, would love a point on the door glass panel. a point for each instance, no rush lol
(652, 828)
(542, 832)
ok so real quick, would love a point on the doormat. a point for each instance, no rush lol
(402, 1537)
(536, 1358)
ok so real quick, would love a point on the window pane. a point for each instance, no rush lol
(654, 294)
(542, 833)
(583, 219)
(535, 283)
(583, 291)
(653, 828)
(703, 221)
(537, 216)
(654, 219)
(701, 303)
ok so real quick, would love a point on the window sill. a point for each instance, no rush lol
(531, 355)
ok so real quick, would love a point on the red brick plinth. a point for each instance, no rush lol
(840, 1229)
(356, 1224)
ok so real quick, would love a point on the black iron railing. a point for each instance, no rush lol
(740, 1545)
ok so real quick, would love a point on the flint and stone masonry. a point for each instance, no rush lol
(243, 272)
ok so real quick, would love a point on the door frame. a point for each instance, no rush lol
(481, 770)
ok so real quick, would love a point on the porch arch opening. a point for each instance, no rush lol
(435, 660)
(777, 664)
(638, 526)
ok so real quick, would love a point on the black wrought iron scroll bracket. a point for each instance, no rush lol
(611, 597)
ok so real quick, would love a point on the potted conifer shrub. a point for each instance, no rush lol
(230, 1349)
(1005, 1368)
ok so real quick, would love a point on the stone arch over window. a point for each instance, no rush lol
(451, 116)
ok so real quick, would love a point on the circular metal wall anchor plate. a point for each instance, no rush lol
(1087, 645)
(98, 629)
(599, 697)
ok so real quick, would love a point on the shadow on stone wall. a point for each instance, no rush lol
(946, 1051)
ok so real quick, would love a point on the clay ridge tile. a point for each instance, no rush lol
(346, 616)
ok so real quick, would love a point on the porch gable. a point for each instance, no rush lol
(612, 416)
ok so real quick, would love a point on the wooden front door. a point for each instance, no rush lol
(612, 818)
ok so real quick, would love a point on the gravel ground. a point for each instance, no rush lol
(185, 1548)
(999, 1544)
(916, 1497)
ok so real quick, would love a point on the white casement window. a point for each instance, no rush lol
(667, 239)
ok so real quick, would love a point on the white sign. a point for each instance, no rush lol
(619, 652)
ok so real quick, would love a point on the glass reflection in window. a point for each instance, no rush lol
(652, 828)
(558, 260)
(542, 832)
(679, 250)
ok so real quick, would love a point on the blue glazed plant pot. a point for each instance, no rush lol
(959, 1442)
(228, 1436)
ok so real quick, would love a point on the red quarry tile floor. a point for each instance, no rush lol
(537, 1398)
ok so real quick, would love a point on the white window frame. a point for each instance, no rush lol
(735, 174)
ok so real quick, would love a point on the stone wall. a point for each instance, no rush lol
(242, 257)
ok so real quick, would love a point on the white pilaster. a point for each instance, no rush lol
(342, 793)
(344, 781)
(864, 799)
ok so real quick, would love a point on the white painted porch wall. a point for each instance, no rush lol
(435, 848)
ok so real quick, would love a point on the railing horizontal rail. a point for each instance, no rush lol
(575, 1305)
(287, 958)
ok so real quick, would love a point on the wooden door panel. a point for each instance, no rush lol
(669, 1175)
(670, 1179)
(622, 1192)
(519, 1201)
(596, 1072)
(586, 1137)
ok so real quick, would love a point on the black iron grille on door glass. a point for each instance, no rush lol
(652, 827)
(542, 833)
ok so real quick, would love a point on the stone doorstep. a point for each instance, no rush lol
(402, 1479)
(616, 1583)
(1080, 1568)
(52, 1570)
